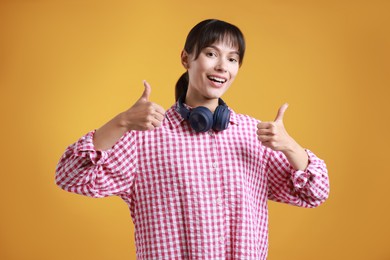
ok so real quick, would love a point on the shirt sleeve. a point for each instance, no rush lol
(308, 188)
(94, 173)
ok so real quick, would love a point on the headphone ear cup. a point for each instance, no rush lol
(201, 119)
(221, 118)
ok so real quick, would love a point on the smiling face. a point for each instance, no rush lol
(210, 74)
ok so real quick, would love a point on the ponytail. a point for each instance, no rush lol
(181, 86)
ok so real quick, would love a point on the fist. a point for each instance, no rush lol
(144, 115)
(273, 134)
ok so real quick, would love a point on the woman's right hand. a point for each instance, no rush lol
(143, 115)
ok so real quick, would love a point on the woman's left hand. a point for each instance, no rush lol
(273, 134)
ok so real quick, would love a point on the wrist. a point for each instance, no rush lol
(297, 156)
(122, 121)
(291, 147)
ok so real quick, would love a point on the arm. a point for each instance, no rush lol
(274, 135)
(295, 175)
(305, 188)
(104, 162)
(84, 170)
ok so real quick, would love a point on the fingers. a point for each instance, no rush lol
(273, 134)
(158, 116)
(147, 91)
(266, 131)
(155, 123)
(268, 138)
(159, 109)
(150, 122)
(144, 115)
(265, 125)
(281, 111)
(271, 128)
(266, 134)
(155, 112)
(264, 138)
(154, 117)
(145, 96)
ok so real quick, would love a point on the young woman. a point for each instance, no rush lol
(197, 177)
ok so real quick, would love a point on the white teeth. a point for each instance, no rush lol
(219, 80)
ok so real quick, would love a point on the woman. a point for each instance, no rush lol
(197, 177)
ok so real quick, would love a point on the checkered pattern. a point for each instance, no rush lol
(194, 195)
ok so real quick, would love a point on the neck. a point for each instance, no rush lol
(193, 101)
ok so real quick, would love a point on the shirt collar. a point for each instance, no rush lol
(176, 119)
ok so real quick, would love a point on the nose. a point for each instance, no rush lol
(221, 65)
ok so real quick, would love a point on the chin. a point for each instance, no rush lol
(217, 93)
(214, 95)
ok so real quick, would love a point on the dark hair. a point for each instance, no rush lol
(203, 35)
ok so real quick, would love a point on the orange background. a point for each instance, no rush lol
(67, 67)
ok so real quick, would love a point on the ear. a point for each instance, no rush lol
(184, 59)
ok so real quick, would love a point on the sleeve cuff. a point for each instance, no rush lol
(85, 148)
(301, 177)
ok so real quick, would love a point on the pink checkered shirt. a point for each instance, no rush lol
(194, 195)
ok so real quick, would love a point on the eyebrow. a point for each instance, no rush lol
(219, 50)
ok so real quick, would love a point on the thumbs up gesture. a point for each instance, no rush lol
(273, 134)
(144, 115)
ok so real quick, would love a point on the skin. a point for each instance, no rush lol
(273, 134)
(218, 61)
(144, 115)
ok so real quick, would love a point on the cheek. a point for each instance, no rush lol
(196, 68)
(193, 72)
(233, 73)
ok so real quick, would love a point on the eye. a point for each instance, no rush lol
(233, 60)
(211, 54)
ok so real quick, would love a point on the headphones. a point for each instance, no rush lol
(202, 119)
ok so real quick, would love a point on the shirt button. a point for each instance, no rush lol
(219, 201)
(222, 240)
(215, 165)
(211, 133)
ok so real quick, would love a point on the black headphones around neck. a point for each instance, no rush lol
(202, 119)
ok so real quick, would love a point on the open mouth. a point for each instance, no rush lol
(216, 79)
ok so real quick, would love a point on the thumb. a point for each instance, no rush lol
(147, 91)
(281, 112)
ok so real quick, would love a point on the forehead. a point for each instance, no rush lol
(224, 46)
(218, 38)
(228, 40)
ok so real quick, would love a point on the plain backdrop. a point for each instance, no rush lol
(67, 67)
